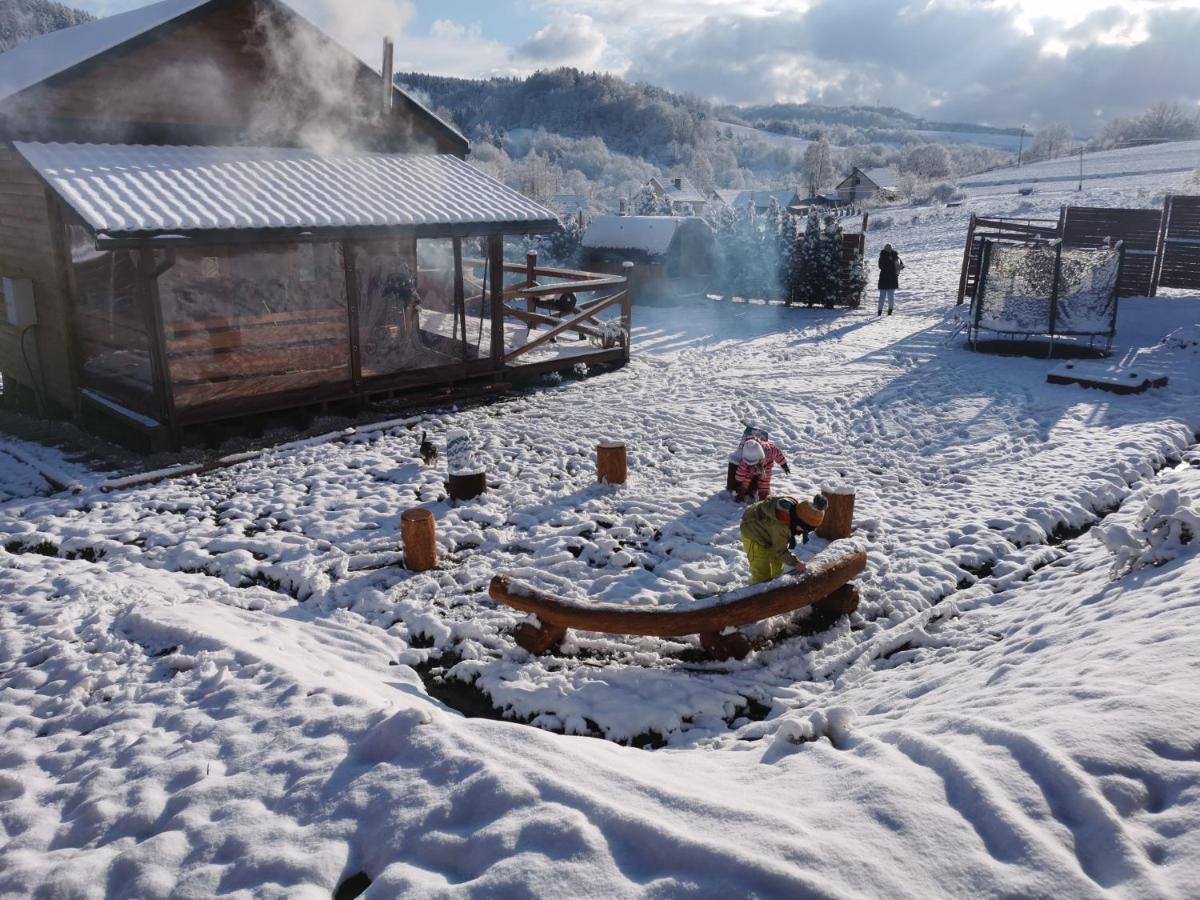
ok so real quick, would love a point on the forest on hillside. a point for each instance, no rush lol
(23, 19)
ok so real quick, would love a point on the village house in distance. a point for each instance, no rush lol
(212, 210)
(866, 186)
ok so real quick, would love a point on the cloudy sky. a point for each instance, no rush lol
(1003, 62)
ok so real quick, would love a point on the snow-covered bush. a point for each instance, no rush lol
(878, 223)
(1164, 526)
(944, 191)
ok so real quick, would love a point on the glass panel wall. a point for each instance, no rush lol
(248, 321)
(110, 327)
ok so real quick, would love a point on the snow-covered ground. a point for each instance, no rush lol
(220, 684)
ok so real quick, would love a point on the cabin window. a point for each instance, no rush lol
(244, 322)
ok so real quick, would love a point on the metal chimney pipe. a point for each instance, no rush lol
(389, 72)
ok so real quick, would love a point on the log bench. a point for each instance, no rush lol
(825, 585)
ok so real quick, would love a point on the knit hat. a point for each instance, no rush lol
(802, 515)
(753, 452)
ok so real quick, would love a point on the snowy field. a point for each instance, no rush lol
(222, 683)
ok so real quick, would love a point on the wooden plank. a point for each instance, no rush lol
(260, 337)
(258, 390)
(253, 362)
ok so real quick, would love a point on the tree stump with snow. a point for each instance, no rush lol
(418, 531)
(839, 515)
(466, 485)
(611, 462)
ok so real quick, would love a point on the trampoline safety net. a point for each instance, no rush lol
(1042, 289)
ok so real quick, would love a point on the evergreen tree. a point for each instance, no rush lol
(725, 233)
(786, 257)
(858, 280)
(805, 269)
(647, 203)
(830, 255)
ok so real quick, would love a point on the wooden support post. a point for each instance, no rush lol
(160, 366)
(539, 639)
(466, 485)
(418, 531)
(352, 315)
(460, 302)
(839, 515)
(531, 279)
(725, 646)
(495, 247)
(966, 263)
(627, 309)
(841, 602)
(611, 462)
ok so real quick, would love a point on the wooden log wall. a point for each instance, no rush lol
(32, 246)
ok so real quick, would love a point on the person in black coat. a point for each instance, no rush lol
(890, 265)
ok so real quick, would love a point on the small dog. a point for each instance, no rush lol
(427, 451)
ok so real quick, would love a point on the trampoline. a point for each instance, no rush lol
(1042, 294)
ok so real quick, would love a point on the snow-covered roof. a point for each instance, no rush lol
(887, 177)
(48, 55)
(684, 192)
(118, 188)
(728, 196)
(649, 234)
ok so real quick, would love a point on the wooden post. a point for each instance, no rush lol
(460, 302)
(348, 250)
(466, 485)
(611, 462)
(839, 515)
(418, 531)
(966, 263)
(627, 309)
(495, 248)
(531, 278)
(160, 366)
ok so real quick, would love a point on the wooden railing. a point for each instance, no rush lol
(558, 289)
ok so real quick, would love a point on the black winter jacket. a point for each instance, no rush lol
(889, 270)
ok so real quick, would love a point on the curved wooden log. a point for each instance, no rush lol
(826, 573)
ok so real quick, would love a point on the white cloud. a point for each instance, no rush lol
(569, 39)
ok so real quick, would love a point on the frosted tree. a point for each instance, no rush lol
(818, 165)
(725, 234)
(786, 256)
(805, 275)
(647, 203)
(857, 282)
(830, 256)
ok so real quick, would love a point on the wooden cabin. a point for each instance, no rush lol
(675, 256)
(209, 209)
(867, 186)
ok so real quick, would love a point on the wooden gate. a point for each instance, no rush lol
(990, 228)
(1137, 229)
(1179, 251)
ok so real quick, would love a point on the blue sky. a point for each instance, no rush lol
(1004, 62)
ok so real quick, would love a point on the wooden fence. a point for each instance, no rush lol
(1137, 229)
(1178, 261)
(1013, 231)
(1162, 247)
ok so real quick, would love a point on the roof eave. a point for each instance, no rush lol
(113, 240)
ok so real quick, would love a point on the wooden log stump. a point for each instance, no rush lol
(839, 515)
(466, 485)
(725, 646)
(611, 462)
(418, 531)
(731, 484)
(539, 639)
(841, 602)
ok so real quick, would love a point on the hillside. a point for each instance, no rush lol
(22, 19)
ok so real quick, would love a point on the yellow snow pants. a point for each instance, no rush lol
(763, 566)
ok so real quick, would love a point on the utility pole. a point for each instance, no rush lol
(1021, 147)
(1080, 188)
